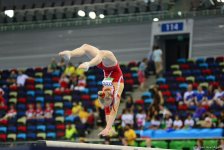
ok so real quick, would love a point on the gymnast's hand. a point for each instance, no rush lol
(65, 54)
(84, 66)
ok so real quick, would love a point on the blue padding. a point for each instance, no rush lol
(21, 135)
(40, 99)
(3, 129)
(51, 135)
(94, 96)
(41, 127)
(147, 125)
(60, 112)
(39, 80)
(56, 85)
(32, 93)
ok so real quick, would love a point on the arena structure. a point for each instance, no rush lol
(190, 35)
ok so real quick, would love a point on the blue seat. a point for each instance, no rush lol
(203, 65)
(48, 86)
(59, 112)
(91, 77)
(134, 75)
(47, 80)
(39, 92)
(50, 127)
(56, 85)
(68, 105)
(200, 60)
(21, 107)
(41, 128)
(99, 83)
(21, 113)
(31, 136)
(39, 80)
(183, 86)
(210, 78)
(58, 98)
(86, 91)
(31, 128)
(147, 94)
(3, 129)
(94, 96)
(148, 100)
(93, 89)
(51, 135)
(56, 73)
(70, 118)
(40, 99)
(21, 136)
(161, 80)
(31, 93)
(12, 129)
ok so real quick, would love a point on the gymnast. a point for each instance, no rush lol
(113, 83)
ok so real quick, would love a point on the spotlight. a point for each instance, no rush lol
(101, 16)
(9, 13)
(92, 15)
(81, 13)
(155, 19)
(179, 13)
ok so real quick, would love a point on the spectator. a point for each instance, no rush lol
(21, 78)
(157, 58)
(221, 144)
(219, 97)
(168, 121)
(10, 114)
(199, 112)
(64, 82)
(69, 70)
(141, 73)
(73, 81)
(157, 96)
(52, 66)
(62, 64)
(12, 78)
(81, 83)
(188, 96)
(210, 92)
(30, 113)
(199, 145)
(76, 109)
(221, 120)
(177, 123)
(189, 122)
(71, 132)
(199, 95)
(127, 118)
(206, 122)
(140, 118)
(151, 64)
(155, 122)
(129, 136)
(129, 102)
(48, 113)
(39, 111)
(3, 107)
(164, 111)
(83, 115)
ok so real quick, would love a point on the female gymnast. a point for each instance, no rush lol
(113, 83)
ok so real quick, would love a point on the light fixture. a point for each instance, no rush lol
(179, 13)
(92, 15)
(101, 16)
(9, 13)
(155, 19)
(81, 13)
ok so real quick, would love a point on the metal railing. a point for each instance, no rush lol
(115, 19)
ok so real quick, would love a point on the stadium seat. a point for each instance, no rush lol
(41, 136)
(3, 130)
(11, 137)
(21, 136)
(51, 135)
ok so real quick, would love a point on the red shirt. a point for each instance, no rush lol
(113, 72)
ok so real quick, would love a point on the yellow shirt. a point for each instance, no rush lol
(83, 114)
(130, 136)
(79, 72)
(69, 133)
(69, 70)
(76, 109)
(97, 103)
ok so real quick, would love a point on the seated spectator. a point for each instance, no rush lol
(221, 120)
(81, 83)
(141, 73)
(219, 96)
(129, 136)
(189, 122)
(127, 117)
(188, 96)
(73, 81)
(164, 111)
(71, 132)
(200, 110)
(83, 115)
(199, 95)
(10, 114)
(30, 113)
(177, 123)
(210, 92)
(12, 78)
(129, 102)
(140, 118)
(64, 82)
(155, 122)
(69, 70)
(52, 66)
(39, 111)
(21, 78)
(48, 113)
(168, 121)
(206, 122)
(76, 109)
